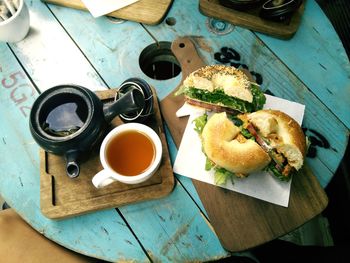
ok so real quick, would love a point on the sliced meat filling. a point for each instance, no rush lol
(281, 162)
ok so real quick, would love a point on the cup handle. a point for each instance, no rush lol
(102, 179)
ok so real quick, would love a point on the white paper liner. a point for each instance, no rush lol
(102, 7)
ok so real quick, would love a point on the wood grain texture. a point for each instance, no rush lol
(316, 55)
(150, 12)
(56, 56)
(62, 197)
(20, 178)
(242, 222)
(59, 48)
(251, 19)
(116, 58)
(114, 55)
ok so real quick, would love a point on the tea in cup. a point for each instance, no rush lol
(131, 153)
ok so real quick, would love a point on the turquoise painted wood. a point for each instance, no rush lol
(66, 45)
(321, 65)
(120, 61)
(190, 217)
(277, 77)
(115, 65)
(56, 56)
(113, 49)
(185, 181)
(20, 180)
(114, 58)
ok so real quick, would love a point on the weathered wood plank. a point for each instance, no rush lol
(113, 49)
(50, 56)
(113, 56)
(316, 55)
(182, 237)
(20, 180)
(107, 54)
(250, 37)
(116, 59)
(107, 46)
(185, 181)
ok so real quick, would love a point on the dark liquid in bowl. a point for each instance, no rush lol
(66, 118)
(130, 153)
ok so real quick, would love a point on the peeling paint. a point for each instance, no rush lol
(153, 258)
(105, 230)
(161, 218)
(186, 245)
(322, 66)
(127, 261)
(199, 237)
(128, 241)
(182, 230)
(208, 223)
(20, 181)
(122, 223)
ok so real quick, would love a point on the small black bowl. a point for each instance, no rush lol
(139, 84)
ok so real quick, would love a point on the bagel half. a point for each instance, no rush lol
(282, 133)
(221, 145)
(222, 88)
(264, 140)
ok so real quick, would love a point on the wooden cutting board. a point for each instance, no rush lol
(150, 12)
(62, 197)
(250, 19)
(242, 222)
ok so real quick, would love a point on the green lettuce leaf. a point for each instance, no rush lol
(259, 98)
(221, 176)
(247, 134)
(236, 121)
(209, 164)
(219, 97)
(200, 122)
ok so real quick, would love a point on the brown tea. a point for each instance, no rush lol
(130, 153)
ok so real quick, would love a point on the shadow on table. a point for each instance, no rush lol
(283, 251)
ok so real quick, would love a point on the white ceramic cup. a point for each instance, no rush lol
(108, 175)
(16, 27)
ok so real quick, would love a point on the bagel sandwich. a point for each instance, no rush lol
(222, 88)
(263, 140)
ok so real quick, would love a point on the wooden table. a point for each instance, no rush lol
(69, 46)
